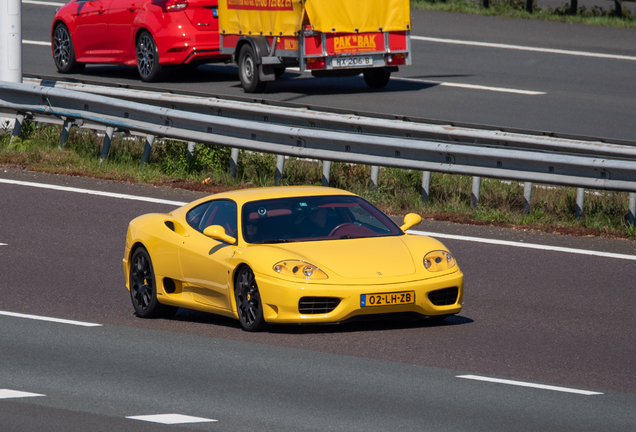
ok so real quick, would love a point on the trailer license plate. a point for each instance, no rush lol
(387, 299)
(357, 61)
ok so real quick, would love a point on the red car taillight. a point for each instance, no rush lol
(395, 59)
(171, 5)
(316, 63)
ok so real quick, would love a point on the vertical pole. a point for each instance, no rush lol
(326, 172)
(426, 186)
(234, 162)
(580, 201)
(474, 196)
(106, 146)
(631, 216)
(66, 129)
(280, 164)
(529, 6)
(150, 139)
(573, 7)
(618, 7)
(10, 46)
(17, 126)
(486, 4)
(527, 197)
(190, 153)
(375, 173)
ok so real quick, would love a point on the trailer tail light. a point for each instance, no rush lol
(316, 63)
(395, 59)
(171, 5)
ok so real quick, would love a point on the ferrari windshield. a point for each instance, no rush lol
(314, 218)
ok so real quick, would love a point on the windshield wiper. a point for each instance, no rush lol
(273, 241)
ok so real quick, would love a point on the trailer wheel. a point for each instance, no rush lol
(376, 78)
(248, 71)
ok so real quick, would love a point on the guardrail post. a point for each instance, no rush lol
(580, 201)
(375, 173)
(17, 126)
(573, 6)
(106, 146)
(150, 139)
(618, 7)
(486, 4)
(190, 153)
(66, 129)
(474, 196)
(527, 197)
(529, 6)
(631, 216)
(280, 164)
(426, 186)
(326, 172)
(234, 162)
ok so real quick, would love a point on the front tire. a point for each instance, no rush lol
(143, 288)
(248, 71)
(64, 51)
(248, 301)
(376, 78)
(148, 58)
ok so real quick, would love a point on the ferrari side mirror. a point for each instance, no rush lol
(410, 220)
(217, 232)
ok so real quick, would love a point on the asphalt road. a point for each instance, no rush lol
(538, 316)
(570, 92)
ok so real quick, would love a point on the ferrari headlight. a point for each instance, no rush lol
(438, 261)
(299, 269)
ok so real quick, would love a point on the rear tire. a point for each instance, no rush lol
(376, 78)
(279, 72)
(64, 51)
(148, 58)
(248, 71)
(143, 288)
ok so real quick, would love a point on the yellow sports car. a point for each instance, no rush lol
(287, 255)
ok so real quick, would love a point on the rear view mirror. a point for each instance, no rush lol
(410, 220)
(217, 232)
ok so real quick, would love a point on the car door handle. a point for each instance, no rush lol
(101, 10)
(132, 8)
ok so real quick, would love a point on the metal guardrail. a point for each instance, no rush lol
(549, 165)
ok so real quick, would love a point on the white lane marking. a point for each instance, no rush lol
(92, 192)
(472, 86)
(43, 318)
(527, 384)
(430, 234)
(525, 48)
(525, 245)
(11, 394)
(42, 3)
(30, 42)
(171, 418)
(3, 244)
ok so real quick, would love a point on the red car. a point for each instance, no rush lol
(152, 34)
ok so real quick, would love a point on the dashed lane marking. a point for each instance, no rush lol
(472, 86)
(11, 394)
(42, 3)
(527, 384)
(30, 42)
(171, 419)
(49, 319)
(525, 48)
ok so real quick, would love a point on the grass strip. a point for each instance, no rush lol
(398, 191)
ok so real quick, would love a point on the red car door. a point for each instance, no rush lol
(91, 28)
(121, 15)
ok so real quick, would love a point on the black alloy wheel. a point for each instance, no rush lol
(248, 301)
(248, 71)
(376, 78)
(143, 288)
(64, 51)
(148, 58)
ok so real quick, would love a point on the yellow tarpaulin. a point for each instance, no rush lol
(284, 17)
(345, 16)
(271, 17)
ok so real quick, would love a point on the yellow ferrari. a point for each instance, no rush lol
(287, 255)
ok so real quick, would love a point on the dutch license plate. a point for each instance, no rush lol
(387, 299)
(357, 61)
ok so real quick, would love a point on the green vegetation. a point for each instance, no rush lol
(517, 9)
(398, 191)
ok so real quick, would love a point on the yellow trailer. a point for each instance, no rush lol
(326, 37)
